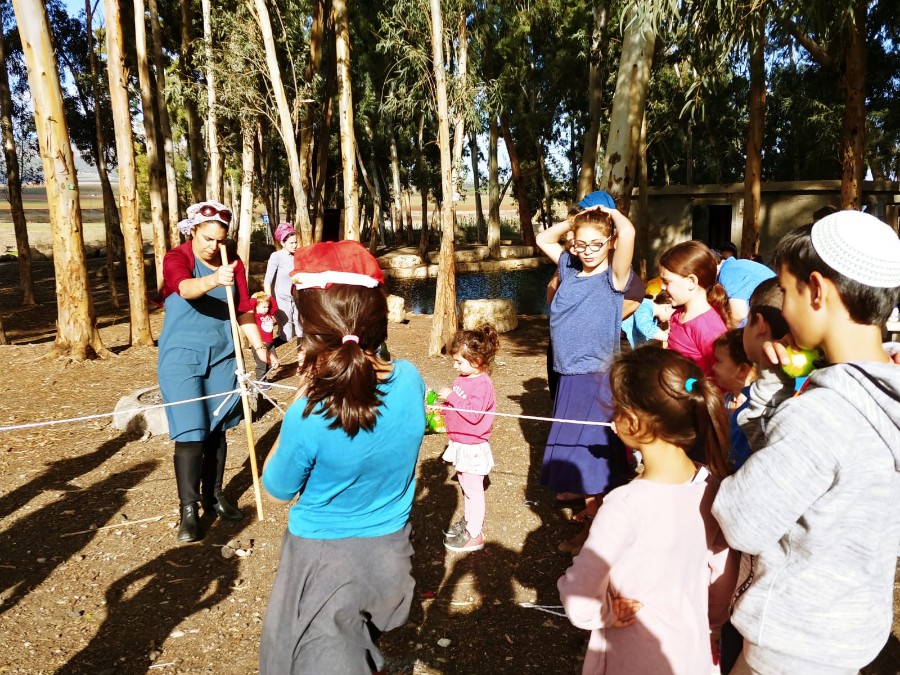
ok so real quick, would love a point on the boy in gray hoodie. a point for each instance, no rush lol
(818, 507)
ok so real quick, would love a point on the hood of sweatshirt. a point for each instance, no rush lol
(874, 390)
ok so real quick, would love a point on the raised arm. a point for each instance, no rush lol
(624, 253)
(548, 240)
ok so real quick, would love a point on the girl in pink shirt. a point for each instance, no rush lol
(655, 576)
(688, 272)
(469, 428)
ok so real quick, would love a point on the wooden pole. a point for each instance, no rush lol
(245, 401)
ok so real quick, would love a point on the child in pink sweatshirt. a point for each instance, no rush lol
(469, 428)
(654, 545)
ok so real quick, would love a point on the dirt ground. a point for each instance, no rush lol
(92, 581)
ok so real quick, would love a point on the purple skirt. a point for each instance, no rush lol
(586, 459)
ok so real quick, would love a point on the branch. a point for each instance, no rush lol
(810, 45)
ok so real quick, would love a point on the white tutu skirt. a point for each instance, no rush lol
(476, 459)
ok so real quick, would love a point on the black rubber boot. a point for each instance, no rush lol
(189, 528)
(215, 450)
(188, 466)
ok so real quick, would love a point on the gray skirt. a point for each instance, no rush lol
(331, 597)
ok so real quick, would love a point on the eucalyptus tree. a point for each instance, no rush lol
(77, 336)
(129, 209)
(189, 90)
(214, 167)
(13, 175)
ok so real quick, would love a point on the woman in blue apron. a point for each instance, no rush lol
(196, 359)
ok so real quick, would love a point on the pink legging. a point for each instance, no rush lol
(472, 485)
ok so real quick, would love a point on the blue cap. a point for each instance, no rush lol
(598, 198)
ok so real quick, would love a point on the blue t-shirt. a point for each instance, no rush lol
(740, 277)
(641, 327)
(585, 319)
(351, 487)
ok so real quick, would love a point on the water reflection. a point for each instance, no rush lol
(526, 288)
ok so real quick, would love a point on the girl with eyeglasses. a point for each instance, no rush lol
(585, 326)
(196, 359)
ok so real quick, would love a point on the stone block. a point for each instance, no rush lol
(499, 312)
(400, 261)
(131, 415)
(396, 309)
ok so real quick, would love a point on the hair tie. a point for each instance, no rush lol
(689, 384)
(350, 338)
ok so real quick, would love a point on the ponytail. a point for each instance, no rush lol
(343, 327)
(712, 424)
(717, 297)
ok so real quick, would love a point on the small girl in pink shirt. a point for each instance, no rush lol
(688, 272)
(654, 579)
(468, 425)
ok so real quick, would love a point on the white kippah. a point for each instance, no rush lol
(860, 247)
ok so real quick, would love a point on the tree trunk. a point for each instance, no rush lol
(245, 226)
(519, 183)
(322, 153)
(444, 322)
(320, 15)
(214, 171)
(194, 123)
(423, 186)
(77, 336)
(348, 142)
(115, 245)
(129, 208)
(854, 84)
(158, 210)
(628, 108)
(407, 208)
(476, 185)
(493, 237)
(596, 76)
(398, 198)
(165, 127)
(753, 166)
(642, 243)
(3, 338)
(14, 182)
(547, 206)
(459, 126)
(300, 212)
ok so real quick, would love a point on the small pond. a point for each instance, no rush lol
(526, 288)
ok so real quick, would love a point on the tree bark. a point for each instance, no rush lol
(753, 166)
(493, 236)
(214, 170)
(629, 103)
(321, 9)
(348, 142)
(14, 183)
(642, 250)
(322, 154)
(596, 76)
(423, 186)
(397, 191)
(77, 336)
(519, 183)
(245, 226)
(300, 212)
(129, 208)
(444, 322)
(165, 127)
(194, 123)
(854, 82)
(3, 339)
(459, 126)
(476, 185)
(115, 244)
(158, 210)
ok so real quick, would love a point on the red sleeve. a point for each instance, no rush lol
(243, 301)
(273, 306)
(178, 265)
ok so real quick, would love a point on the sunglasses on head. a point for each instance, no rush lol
(209, 211)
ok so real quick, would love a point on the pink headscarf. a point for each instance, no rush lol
(283, 231)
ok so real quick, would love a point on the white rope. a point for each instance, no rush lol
(549, 609)
(85, 418)
(254, 384)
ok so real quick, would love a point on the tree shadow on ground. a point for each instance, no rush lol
(145, 605)
(37, 543)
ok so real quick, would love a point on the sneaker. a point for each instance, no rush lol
(462, 543)
(456, 528)
(264, 387)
